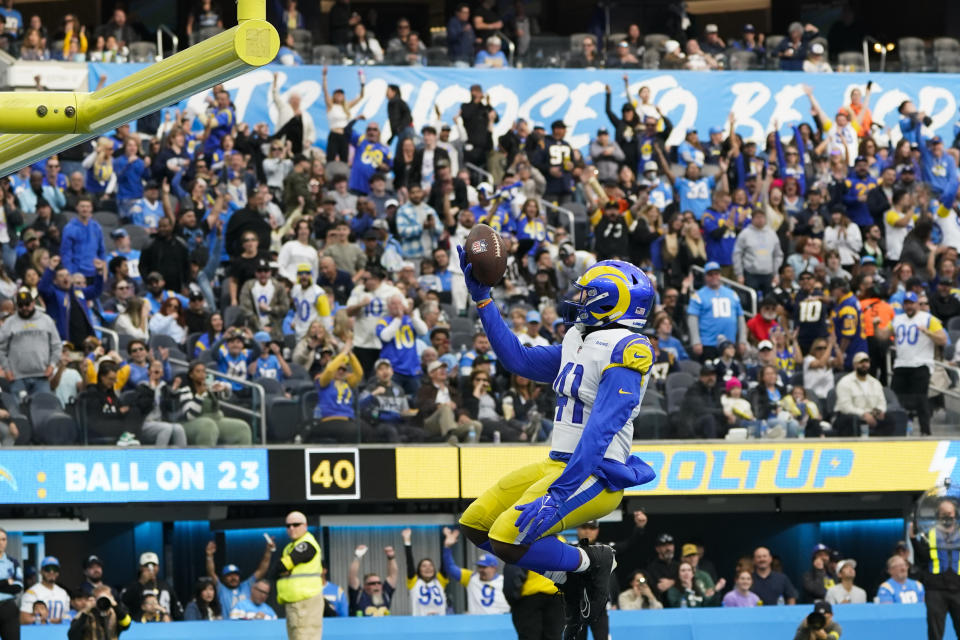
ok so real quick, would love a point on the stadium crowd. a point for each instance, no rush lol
(485, 34)
(651, 575)
(328, 273)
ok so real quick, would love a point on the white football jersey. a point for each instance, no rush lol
(56, 599)
(365, 328)
(428, 598)
(308, 305)
(582, 365)
(949, 224)
(914, 348)
(486, 597)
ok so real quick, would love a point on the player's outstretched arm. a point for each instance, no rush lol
(541, 364)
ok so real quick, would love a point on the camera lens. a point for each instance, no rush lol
(103, 603)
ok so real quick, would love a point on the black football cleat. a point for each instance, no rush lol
(573, 592)
(596, 580)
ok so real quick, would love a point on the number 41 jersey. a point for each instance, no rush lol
(583, 362)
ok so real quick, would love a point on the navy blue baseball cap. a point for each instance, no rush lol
(230, 568)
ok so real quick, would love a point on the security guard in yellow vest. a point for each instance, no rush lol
(938, 557)
(300, 581)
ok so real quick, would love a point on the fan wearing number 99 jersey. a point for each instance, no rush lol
(600, 374)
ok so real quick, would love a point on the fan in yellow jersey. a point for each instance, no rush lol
(599, 374)
(916, 334)
(309, 302)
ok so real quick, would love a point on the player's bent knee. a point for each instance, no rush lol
(508, 552)
(476, 536)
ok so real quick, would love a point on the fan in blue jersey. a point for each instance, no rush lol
(858, 186)
(660, 190)
(714, 315)
(370, 156)
(847, 321)
(122, 249)
(233, 359)
(692, 189)
(147, 211)
(398, 332)
(899, 589)
(270, 364)
(599, 374)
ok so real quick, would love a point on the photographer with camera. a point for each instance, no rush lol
(819, 625)
(103, 619)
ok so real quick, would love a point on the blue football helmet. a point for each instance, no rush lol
(612, 291)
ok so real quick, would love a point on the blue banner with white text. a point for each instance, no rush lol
(88, 475)
(691, 99)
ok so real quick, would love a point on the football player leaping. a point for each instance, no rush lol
(599, 374)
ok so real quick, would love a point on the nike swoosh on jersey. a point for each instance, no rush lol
(626, 393)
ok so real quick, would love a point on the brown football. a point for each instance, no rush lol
(486, 252)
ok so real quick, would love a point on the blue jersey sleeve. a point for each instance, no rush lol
(619, 392)
(449, 565)
(693, 307)
(541, 364)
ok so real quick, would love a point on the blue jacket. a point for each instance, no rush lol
(130, 177)
(940, 173)
(57, 303)
(80, 245)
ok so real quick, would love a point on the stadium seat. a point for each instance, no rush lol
(742, 60)
(655, 41)
(437, 57)
(12, 405)
(576, 41)
(326, 54)
(138, 236)
(50, 424)
(232, 316)
(143, 52)
(335, 168)
(651, 59)
(302, 39)
(160, 340)
(675, 399)
(680, 379)
(850, 61)
(907, 44)
(950, 45)
(461, 339)
(650, 424)
(106, 219)
(283, 418)
(652, 399)
(308, 402)
(830, 404)
(614, 39)
(953, 324)
(271, 386)
(770, 44)
(948, 61)
(689, 366)
(913, 60)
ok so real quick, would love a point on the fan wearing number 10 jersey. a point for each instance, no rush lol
(599, 373)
